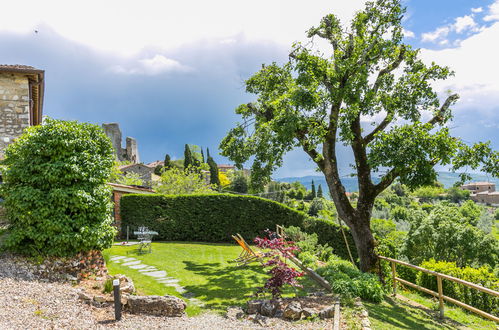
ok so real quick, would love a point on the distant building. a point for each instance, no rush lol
(21, 101)
(224, 168)
(482, 192)
(130, 152)
(145, 172)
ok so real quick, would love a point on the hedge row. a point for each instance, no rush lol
(215, 217)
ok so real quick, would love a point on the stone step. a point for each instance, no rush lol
(114, 258)
(138, 266)
(131, 263)
(159, 273)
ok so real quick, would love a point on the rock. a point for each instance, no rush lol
(293, 311)
(309, 312)
(253, 306)
(268, 308)
(156, 305)
(100, 299)
(82, 295)
(327, 313)
(364, 314)
(234, 313)
(260, 319)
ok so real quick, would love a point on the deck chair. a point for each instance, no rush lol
(247, 255)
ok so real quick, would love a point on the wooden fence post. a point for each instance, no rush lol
(393, 278)
(440, 296)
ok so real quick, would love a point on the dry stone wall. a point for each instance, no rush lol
(14, 107)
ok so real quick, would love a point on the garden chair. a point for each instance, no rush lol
(144, 235)
(247, 255)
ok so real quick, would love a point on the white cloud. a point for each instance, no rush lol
(408, 33)
(477, 10)
(158, 64)
(439, 33)
(493, 14)
(464, 23)
(476, 77)
(127, 26)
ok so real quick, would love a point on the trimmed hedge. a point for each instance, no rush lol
(215, 217)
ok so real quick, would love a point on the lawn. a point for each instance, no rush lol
(203, 269)
(394, 313)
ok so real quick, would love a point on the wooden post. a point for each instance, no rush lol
(117, 300)
(440, 296)
(393, 279)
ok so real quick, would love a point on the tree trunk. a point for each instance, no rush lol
(364, 242)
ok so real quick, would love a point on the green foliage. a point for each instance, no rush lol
(319, 192)
(167, 162)
(446, 235)
(238, 182)
(348, 280)
(55, 189)
(471, 212)
(130, 179)
(214, 179)
(108, 286)
(482, 276)
(188, 159)
(428, 193)
(496, 214)
(209, 218)
(177, 182)
(310, 249)
(313, 193)
(456, 195)
(158, 169)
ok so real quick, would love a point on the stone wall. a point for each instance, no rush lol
(14, 107)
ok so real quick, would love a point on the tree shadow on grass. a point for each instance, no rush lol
(226, 285)
(405, 316)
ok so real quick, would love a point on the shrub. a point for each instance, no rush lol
(215, 217)
(308, 244)
(482, 276)
(55, 189)
(348, 280)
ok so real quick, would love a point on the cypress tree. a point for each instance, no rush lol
(214, 179)
(168, 163)
(313, 190)
(319, 192)
(187, 157)
(207, 153)
(202, 156)
(158, 169)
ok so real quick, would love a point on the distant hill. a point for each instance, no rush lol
(446, 178)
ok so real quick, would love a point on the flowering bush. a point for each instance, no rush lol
(279, 250)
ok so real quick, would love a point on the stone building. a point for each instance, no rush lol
(130, 152)
(483, 192)
(21, 101)
(145, 172)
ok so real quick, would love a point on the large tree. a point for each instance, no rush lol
(316, 101)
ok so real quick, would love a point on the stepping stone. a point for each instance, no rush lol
(129, 259)
(114, 258)
(196, 302)
(180, 289)
(159, 273)
(139, 266)
(132, 263)
(168, 281)
(148, 269)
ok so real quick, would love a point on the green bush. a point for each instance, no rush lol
(348, 280)
(308, 244)
(55, 189)
(215, 217)
(482, 276)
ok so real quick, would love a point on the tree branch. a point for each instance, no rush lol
(369, 137)
(439, 116)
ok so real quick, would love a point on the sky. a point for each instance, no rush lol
(172, 72)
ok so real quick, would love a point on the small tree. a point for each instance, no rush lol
(158, 169)
(214, 177)
(168, 162)
(177, 182)
(188, 159)
(319, 192)
(313, 193)
(55, 189)
(202, 156)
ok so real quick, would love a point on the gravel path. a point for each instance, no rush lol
(26, 303)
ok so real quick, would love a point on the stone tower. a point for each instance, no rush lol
(130, 152)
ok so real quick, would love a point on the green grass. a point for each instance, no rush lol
(394, 313)
(202, 268)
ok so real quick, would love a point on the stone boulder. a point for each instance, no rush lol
(293, 311)
(254, 306)
(156, 305)
(268, 308)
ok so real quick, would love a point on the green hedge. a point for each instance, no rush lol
(481, 276)
(215, 217)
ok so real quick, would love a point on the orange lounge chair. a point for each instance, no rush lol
(247, 255)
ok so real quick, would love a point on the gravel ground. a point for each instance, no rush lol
(26, 303)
